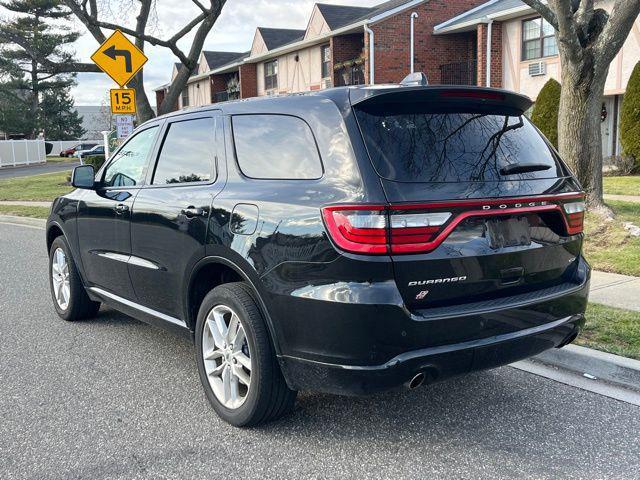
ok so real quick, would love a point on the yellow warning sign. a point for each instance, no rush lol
(123, 101)
(119, 58)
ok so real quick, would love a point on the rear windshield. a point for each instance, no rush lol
(420, 144)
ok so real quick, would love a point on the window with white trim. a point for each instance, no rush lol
(271, 75)
(538, 39)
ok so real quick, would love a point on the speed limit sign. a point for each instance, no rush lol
(123, 100)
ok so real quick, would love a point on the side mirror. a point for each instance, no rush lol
(83, 176)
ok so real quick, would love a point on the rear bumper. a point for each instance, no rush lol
(437, 363)
(356, 346)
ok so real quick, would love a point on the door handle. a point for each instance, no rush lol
(121, 208)
(191, 212)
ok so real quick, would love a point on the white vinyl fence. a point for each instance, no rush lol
(22, 152)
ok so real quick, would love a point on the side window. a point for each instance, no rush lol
(188, 153)
(325, 52)
(276, 147)
(271, 75)
(128, 166)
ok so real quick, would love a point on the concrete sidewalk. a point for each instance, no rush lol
(615, 290)
(17, 203)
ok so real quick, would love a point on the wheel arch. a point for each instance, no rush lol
(53, 231)
(212, 271)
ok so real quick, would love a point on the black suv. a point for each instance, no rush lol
(350, 240)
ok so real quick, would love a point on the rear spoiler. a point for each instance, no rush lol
(443, 94)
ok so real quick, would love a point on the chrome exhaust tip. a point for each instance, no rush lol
(416, 381)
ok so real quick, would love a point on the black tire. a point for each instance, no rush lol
(80, 306)
(268, 397)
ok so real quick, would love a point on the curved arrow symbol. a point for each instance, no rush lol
(112, 53)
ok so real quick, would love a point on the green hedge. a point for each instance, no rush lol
(96, 160)
(630, 117)
(545, 111)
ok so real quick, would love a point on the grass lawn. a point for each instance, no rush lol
(622, 185)
(35, 187)
(61, 159)
(612, 330)
(608, 246)
(19, 211)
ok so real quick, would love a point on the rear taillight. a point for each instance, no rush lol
(404, 229)
(358, 229)
(412, 231)
(375, 230)
(575, 216)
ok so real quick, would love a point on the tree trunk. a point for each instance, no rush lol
(171, 98)
(579, 133)
(143, 107)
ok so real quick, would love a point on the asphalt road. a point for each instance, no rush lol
(12, 172)
(114, 398)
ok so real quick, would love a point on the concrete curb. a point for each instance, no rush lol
(587, 362)
(23, 221)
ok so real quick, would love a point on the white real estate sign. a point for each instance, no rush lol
(124, 126)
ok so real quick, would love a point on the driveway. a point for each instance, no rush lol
(11, 172)
(115, 398)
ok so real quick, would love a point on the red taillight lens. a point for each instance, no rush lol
(405, 229)
(374, 230)
(574, 212)
(358, 229)
(413, 231)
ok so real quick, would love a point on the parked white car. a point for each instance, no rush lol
(97, 150)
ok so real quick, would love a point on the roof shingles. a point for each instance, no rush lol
(338, 16)
(219, 59)
(277, 37)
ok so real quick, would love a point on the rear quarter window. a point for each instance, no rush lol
(420, 143)
(276, 147)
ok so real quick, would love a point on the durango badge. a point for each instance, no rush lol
(437, 280)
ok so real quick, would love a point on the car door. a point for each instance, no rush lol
(104, 215)
(171, 213)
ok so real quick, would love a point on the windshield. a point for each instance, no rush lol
(419, 144)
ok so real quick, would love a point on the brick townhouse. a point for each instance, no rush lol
(524, 55)
(341, 45)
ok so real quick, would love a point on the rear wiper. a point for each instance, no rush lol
(516, 168)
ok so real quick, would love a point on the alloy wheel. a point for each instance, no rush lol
(226, 356)
(60, 278)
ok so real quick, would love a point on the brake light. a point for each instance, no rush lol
(413, 232)
(405, 229)
(478, 94)
(358, 229)
(575, 217)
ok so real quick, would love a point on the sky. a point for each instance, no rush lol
(233, 31)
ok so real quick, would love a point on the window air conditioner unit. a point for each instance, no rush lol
(327, 83)
(537, 69)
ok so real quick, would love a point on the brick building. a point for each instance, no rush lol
(524, 55)
(341, 45)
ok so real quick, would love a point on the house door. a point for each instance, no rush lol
(607, 126)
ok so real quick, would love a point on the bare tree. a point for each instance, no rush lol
(88, 12)
(588, 40)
